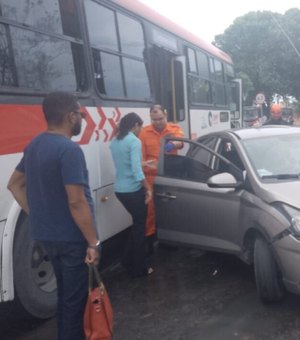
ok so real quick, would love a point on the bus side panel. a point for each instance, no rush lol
(206, 121)
(111, 217)
(114, 218)
(7, 253)
(2, 226)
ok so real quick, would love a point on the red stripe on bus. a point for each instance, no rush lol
(89, 130)
(19, 125)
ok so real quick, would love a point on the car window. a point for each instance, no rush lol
(201, 154)
(274, 155)
(192, 163)
(228, 150)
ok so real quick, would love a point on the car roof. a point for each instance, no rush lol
(256, 132)
(264, 131)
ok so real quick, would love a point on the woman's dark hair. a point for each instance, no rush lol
(127, 123)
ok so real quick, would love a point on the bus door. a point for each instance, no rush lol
(179, 94)
(236, 103)
(169, 85)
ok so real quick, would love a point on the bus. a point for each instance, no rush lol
(117, 56)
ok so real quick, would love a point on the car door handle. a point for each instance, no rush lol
(165, 195)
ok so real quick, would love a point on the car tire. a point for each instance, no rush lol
(34, 279)
(267, 275)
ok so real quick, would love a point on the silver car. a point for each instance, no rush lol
(238, 192)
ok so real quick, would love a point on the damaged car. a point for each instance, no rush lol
(237, 191)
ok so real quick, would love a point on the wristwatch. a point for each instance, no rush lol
(95, 246)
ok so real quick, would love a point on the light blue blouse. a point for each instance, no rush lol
(127, 157)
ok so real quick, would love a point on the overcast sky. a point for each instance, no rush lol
(207, 18)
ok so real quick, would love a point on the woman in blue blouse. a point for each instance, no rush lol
(132, 190)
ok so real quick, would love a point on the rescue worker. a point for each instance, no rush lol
(276, 116)
(150, 137)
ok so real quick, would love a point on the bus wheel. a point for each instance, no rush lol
(268, 278)
(34, 279)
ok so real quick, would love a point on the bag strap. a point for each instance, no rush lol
(93, 272)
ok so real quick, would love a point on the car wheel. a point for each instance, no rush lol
(267, 275)
(34, 279)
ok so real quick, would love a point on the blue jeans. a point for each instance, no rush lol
(71, 274)
(135, 257)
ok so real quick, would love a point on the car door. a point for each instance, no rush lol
(188, 211)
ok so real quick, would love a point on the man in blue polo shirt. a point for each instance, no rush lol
(51, 184)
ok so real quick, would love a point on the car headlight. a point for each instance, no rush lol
(293, 215)
(296, 224)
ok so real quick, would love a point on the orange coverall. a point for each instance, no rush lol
(150, 147)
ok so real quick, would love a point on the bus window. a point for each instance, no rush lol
(224, 117)
(219, 76)
(179, 91)
(41, 14)
(7, 71)
(106, 37)
(108, 74)
(218, 82)
(200, 90)
(219, 94)
(192, 61)
(136, 79)
(118, 52)
(58, 16)
(131, 36)
(202, 62)
(49, 66)
(69, 17)
(52, 63)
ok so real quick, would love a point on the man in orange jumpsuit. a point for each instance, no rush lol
(151, 136)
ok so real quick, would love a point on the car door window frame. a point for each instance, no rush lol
(184, 167)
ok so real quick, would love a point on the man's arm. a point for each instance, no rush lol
(172, 144)
(17, 186)
(82, 216)
(178, 133)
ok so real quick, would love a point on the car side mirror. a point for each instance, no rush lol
(223, 180)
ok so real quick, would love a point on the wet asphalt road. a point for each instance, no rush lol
(192, 295)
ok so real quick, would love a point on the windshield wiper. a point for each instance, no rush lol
(281, 176)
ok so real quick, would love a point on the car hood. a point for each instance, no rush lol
(286, 192)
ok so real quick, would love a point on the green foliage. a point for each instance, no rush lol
(296, 108)
(259, 44)
(247, 86)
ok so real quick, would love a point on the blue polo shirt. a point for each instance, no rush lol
(127, 157)
(50, 162)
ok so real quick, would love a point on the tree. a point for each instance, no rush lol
(260, 46)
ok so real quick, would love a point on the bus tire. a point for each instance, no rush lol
(267, 275)
(34, 279)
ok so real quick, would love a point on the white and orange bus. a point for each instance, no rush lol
(117, 56)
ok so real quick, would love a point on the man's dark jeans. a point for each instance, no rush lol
(135, 251)
(72, 286)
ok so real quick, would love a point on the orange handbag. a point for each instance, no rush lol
(98, 314)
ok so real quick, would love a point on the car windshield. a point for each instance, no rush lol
(275, 157)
